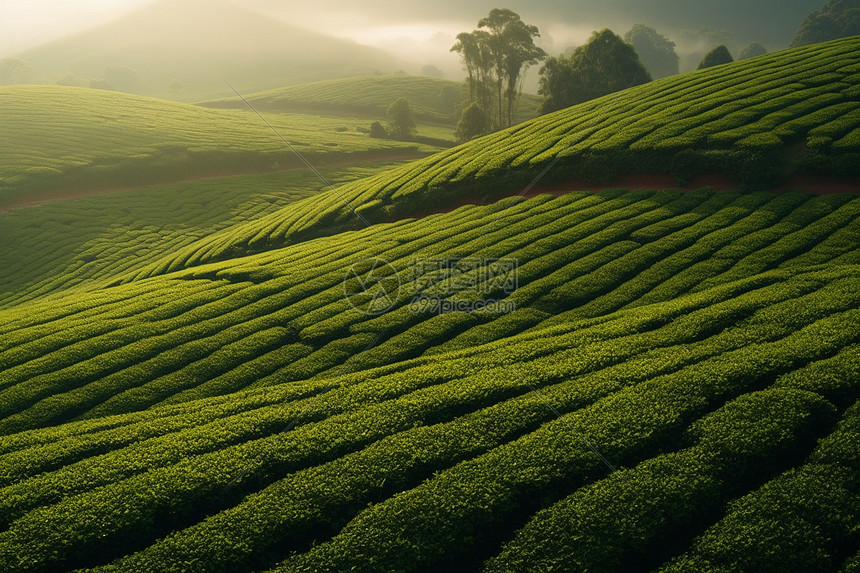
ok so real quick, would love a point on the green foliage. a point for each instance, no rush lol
(752, 51)
(639, 516)
(716, 57)
(434, 101)
(401, 124)
(804, 520)
(15, 71)
(657, 52)
(836, 19)
(604, 65)
(677, 387)
(104, 141)
(473, 123)
(378, 130)
(496, 57)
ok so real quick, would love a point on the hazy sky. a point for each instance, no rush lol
(424, 28)
(28, 23)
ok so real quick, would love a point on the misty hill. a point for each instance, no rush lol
(199, 44)
(432, 99)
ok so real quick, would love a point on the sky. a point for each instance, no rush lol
(426, 30)
(27, 23)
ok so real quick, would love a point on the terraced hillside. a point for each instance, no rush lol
(67, 244)
(56, 139)
(230, 415)
(662, 380)
(785, 119)
(371, 95)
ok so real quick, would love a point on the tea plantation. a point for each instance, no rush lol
(655, 380)
(759, 122)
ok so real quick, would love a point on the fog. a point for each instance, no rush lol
(193, 41)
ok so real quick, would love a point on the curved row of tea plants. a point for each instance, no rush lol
(283, 315)
(758, 121)
(62, 244)
(464, 433)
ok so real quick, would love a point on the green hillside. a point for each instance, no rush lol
(418, 372)
(57, 139)
(63, 244)
(760, 122)
(371, 96)
(147, 419)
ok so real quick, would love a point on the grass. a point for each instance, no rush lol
(675, 385)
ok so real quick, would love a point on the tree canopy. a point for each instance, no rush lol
(496, 57)
(473, 123)
(716, 57)
(836, 19)
(604, 65)
(401, 124)
(656, 51)
(15, 71)
(751, 51)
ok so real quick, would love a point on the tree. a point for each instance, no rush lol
(451, 99)
(656, 51)
(377, 130)
(512, 50)
(431, 71)
(15, 71)
(836, 19)
(401, 124)
(716, 57)
(753, 50)
(496, 57)
(604, 65)
(101, 84)
(70, 79)
(473, 123)
(122, 78)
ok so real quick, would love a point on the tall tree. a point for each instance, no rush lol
(604, 65)
(496, 57)
(716, 57)
(656, 51)
(836, 19)
(512, 49)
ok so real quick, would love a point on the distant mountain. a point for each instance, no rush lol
(187, 48)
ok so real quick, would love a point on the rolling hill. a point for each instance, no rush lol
(57, 140)
(371, 96)
(419, 372)
(201, 43)
(789, 119)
